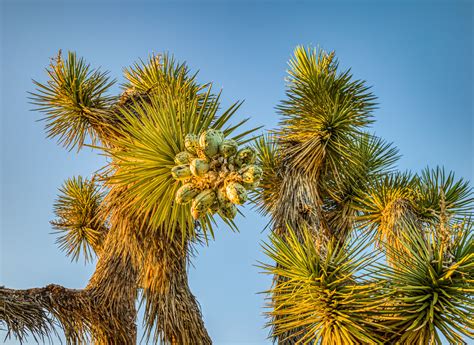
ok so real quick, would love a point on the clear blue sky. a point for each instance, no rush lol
(416, 55)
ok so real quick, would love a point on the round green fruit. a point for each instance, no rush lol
(199, 167)
(202, 202)
(228, 148)
(186, 193)
(251, 173)
(191, 143)
(236, 193)
(183, 157)
(181, 172)
(228, 210)
(222, 196)
(246, 156)
(210, 140)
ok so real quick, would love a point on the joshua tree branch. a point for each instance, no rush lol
(104, 312)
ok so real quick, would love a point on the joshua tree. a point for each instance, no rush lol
(360, 253)
(164, 129)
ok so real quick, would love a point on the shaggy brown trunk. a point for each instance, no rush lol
(113, 288)
(170, 305)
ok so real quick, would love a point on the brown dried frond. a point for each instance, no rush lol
(298, 204)
(36, 310)
(341, 218)
(23, 315)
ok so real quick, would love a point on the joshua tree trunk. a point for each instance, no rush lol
(169, 303)
(105, 309)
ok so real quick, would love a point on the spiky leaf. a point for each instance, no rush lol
(78, 225)
(74, 100)
(321, 294)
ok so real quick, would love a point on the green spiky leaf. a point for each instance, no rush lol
(323, 112)
(74, 100)
(78, 226)
(266, 195)
(322, 293)
(431, 286)
(435, 187)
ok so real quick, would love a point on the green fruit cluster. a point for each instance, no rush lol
(216, 175)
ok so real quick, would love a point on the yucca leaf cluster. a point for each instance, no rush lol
(144, 154)
(74, 100)
(431, 289)
(328, 297)
(142, 131)
(346, 293)
(78, 225)
(324, 109)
